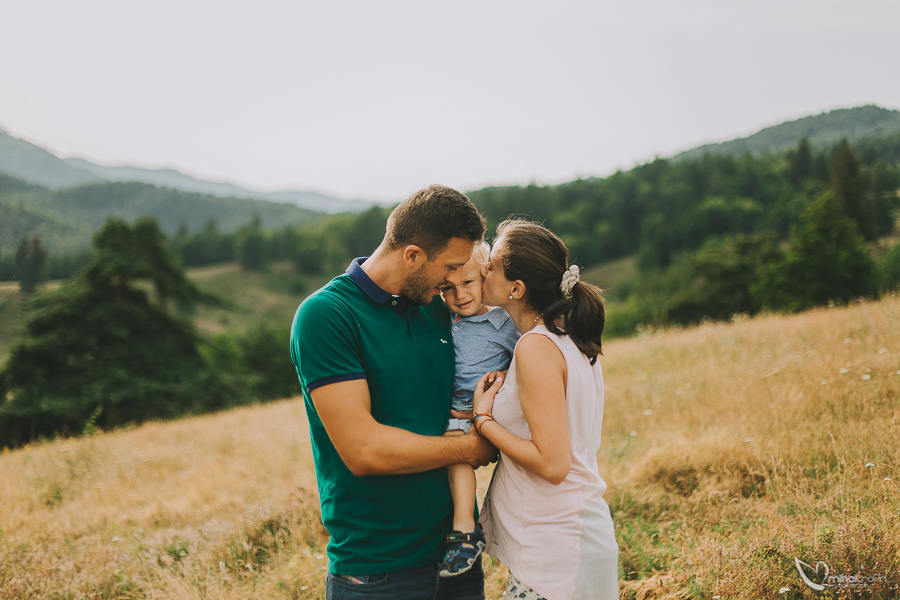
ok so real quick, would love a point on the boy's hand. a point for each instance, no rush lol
(495, 374)
(462, 414)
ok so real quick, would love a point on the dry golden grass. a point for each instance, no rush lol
(729, 449)
(113, 514)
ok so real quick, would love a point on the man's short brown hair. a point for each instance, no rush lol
(431, 217)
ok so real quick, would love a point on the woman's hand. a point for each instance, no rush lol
(487, 388)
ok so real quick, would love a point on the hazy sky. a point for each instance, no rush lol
(374, 99)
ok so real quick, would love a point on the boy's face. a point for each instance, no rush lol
(462, 292)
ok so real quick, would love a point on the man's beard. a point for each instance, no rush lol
(416, 288)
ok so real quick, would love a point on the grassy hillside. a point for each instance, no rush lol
(823, 130)
(729, 449)
(257, 298)
(267, 298)
(19, 220)
(614, 278)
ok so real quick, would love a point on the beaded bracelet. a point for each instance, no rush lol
(485, 416)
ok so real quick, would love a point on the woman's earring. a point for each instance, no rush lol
(510, 296)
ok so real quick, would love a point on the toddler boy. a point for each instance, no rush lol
(484, 340)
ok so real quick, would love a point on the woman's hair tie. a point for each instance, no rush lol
(569, 279)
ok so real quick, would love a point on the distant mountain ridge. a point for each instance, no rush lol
(179, 181)
(823, 130)
(23, 160)
(33, 164)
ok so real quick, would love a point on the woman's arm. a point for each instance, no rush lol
(541, 372)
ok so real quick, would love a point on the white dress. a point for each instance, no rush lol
(556, 539)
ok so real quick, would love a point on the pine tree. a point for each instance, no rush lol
(849, 188)
(890, 269)
(103, 340)
(250, 245)
(800, 162)
(31, 264)
(885, 179)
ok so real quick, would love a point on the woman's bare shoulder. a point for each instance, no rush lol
(536, 349)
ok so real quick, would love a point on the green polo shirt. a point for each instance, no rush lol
(352, 329)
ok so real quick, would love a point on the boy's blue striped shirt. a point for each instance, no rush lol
(482, 343)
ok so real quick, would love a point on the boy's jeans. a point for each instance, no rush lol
(419, 583)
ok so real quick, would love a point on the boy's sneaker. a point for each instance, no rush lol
(463, 549)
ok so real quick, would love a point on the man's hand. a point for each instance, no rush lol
(483, 452)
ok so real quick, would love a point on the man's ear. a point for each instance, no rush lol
(414, 256)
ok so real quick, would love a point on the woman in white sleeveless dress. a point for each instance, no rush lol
(545, 517)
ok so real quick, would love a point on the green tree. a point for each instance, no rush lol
(890, 269)
(31, 263)
(205, 247)
(105, 340)
(800, 162)
(849, 188)
(366, 232)
(251, 246)
(728, 268)
(827, 260)
(308, 253)
(885, 181)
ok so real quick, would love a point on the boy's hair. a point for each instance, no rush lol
(430, 218)
(482, 253)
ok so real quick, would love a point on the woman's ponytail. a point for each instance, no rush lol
(583, 318)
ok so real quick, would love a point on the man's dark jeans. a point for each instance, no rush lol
(419, 583)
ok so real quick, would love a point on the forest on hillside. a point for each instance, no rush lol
(66, 218)
(717, 237)
(711, 237)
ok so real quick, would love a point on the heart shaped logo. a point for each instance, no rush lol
(813, 574)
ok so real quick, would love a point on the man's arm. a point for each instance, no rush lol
(369, 448)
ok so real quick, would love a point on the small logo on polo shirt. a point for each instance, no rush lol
(443, 340)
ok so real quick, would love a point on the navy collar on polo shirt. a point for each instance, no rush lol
(372, 289)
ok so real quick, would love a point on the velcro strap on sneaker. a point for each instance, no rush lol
(458, 536)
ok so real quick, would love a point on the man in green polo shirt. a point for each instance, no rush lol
(374, 355)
